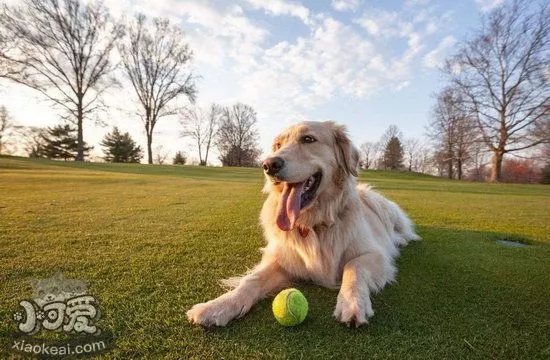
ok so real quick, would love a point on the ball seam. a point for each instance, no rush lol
(288, 305)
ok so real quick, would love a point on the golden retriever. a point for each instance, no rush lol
(320, 226)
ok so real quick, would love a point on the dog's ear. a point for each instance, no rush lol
(346, 153)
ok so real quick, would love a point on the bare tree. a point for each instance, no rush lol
(542, 131)
(237, 136)
(8, 129)
(502, 73)
(156, 60)
(412, 152)
(33, 139)
(160, 155)
(201, 126)
(424, 160)
(453, 131)
(61, 48)
(369, 154)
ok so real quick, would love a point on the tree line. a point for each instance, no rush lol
(495, 102)
(497, 97)
(64, 50)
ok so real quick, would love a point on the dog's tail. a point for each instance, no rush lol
(402, 224)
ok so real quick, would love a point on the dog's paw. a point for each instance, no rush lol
(352, 310)
(208, 314)
(217, 312)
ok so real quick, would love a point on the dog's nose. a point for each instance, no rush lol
(273, 165)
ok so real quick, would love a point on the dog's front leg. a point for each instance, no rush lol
(265, 278)
(362, 275)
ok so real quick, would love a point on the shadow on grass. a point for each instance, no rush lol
(458, 294)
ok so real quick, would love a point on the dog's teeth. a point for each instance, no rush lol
(309, 183)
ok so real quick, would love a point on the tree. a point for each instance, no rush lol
(387, 159)
(7, 129)
(179, 158)
(454, 131)
(60, 48)
(440, 160)
(121, 148)
(156, 61)
(412, 150)
(238, 136)
(201, 126)
(545, 174)
(502, 74)
(160, 155)
(391, 131)
(60, 142)
(369, 154)
(393, 154)
(33, 138)
(479, 164)
(520, 171)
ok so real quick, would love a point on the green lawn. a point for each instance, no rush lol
(151, 241)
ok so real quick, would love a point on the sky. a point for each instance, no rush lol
(367, 64)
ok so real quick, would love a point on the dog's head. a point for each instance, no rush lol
(309, 164)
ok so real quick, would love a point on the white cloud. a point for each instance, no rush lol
(281, 7)
(416, 2)
(334, 61)
(402, 85)
(345, 5)
(436, 57)
(431, 28)
(488, 5)
(380, 23)
(313, 70)
(215, 31)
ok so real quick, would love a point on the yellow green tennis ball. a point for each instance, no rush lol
(290, 307)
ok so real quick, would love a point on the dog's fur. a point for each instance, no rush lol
(346, 237)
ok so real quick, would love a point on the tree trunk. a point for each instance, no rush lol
(80, 135)
(459, 168)
(496, 171)
(206, 155)
(149, 124)
(149, 147)
(450, 168)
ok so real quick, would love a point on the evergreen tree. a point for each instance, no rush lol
(60, 142)
(180, 158)
(120, 148)
(393, 154)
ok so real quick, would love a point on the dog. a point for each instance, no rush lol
(320, 226)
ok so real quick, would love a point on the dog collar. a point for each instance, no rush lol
(304, 231)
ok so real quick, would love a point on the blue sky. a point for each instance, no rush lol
(366, 64)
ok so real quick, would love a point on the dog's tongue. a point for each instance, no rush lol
(289, 206)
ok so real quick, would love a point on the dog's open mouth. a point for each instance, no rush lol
(295, 197)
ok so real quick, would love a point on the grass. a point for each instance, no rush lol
(151, 241)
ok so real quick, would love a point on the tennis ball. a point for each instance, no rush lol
(290, 307)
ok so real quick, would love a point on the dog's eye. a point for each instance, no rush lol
(277, 146)
(308, 139)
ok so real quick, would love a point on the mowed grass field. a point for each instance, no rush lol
(151, 241)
